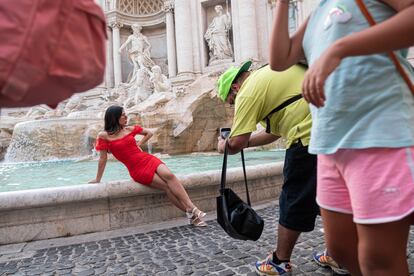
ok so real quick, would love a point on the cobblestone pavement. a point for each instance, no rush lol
(182, 250)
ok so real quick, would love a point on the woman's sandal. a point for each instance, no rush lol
(195, 216)
(198, 222)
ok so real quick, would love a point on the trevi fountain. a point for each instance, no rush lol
(163, 61)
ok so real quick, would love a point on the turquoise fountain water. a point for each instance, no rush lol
(33, 175)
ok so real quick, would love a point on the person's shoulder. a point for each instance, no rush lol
(103, 135)
(136, 129)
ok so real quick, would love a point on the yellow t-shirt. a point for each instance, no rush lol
(262, 92)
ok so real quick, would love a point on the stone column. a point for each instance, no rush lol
(184, 37)
(109, 61)
(116, 43)
(248, 33)
(171, 50)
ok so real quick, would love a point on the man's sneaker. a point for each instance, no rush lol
(324, 260)
(268, 267)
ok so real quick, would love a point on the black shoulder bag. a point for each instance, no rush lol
(237, 218)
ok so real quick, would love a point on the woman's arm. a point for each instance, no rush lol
(285, 51)
(147, 135)
(395, 33)
(392, 34)
(103, 157)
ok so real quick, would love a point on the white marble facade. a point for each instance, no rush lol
(176, 30)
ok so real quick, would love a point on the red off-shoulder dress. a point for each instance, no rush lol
(140, 164)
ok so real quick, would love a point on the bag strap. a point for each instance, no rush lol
(391, 54)
(245, 178)
(224, 172)
(280, 107)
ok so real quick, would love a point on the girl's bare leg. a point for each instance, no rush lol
(383, 248)
(175, 186)
(160, 184)
(341, 239)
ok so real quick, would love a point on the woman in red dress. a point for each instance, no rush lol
(143, 167)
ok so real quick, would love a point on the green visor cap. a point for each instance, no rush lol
(226, 79)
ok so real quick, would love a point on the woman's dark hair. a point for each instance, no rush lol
(112, 115)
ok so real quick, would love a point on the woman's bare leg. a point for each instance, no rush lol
(175, 187)
(341, 239)
(383, 248)
(159, 184)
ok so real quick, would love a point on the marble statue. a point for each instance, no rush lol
(217, 36)
(160, 81)
(139, 52)
(140, 90)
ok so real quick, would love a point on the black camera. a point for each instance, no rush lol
(225, 132)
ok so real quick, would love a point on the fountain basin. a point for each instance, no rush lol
(66, 211)
(14, 176)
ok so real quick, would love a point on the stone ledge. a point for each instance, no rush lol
(67, 211)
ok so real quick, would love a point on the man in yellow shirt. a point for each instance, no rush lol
(274, 100)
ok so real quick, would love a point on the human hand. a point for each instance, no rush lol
(93, 181)
(221, 144)
(313, 84)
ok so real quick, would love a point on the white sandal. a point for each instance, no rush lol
(198, 222)
(195, 217)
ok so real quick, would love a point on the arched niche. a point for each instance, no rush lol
(150, 14)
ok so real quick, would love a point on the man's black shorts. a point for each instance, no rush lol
(298, 208)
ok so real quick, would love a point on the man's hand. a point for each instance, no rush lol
(221, 144)
(236, 143)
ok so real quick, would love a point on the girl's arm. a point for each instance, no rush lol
(285, 51)
(103, 157)
(147, 135)
(393, 34)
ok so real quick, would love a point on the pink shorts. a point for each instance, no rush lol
(376, 185)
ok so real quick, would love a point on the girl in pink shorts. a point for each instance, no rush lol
(375, 185)
(362, 125)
